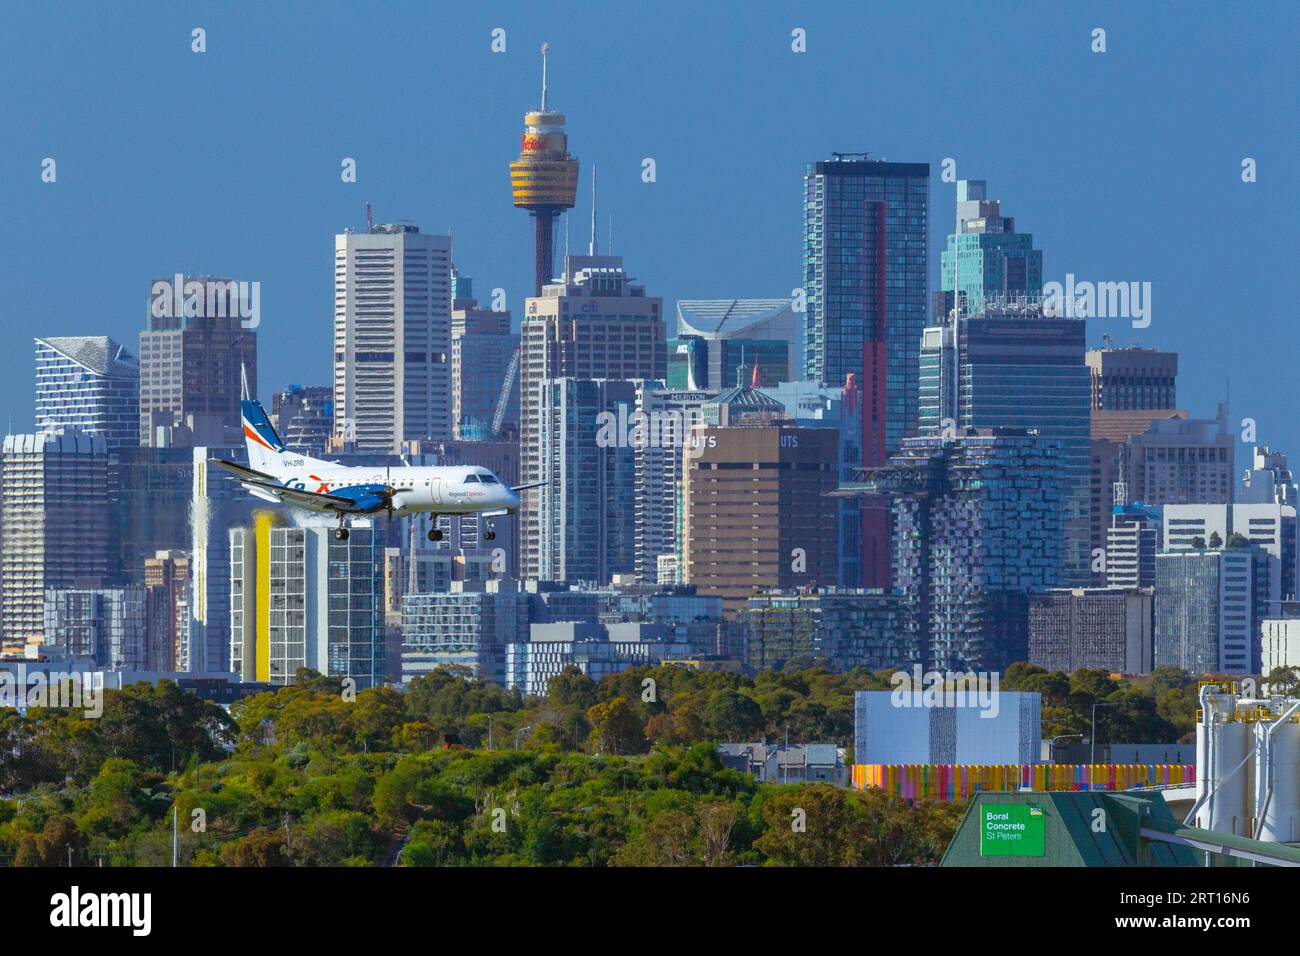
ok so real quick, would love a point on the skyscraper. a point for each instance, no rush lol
(1206, 613)
(866, 233)
(544, 180)
(1182, 461)
(299, 598)
(977, 528)
(986, 260)
(54, 529)
(303, 416)
(88, 382)
(660, 458)
(192, 362)
(482, 349)
(1013, 367)
(1133, 379)
(593, 324)
(757, 511)
(586, 514)
(866, 275)
(392, 337)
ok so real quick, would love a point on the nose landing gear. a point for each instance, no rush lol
(489, 534)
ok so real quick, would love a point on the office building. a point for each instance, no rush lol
(597, 650)
(482, 355)
(1182, 461)
(1132, 542)
(1106, 629)
(1269, 526)
(861, 557)
(586, 511)
(1013, 367)
(392, 337)
(758, 515)
(167, 579)
(89, 382)
(1268, 480)
(665, 417)
(593, 324)
(1133, 379)
(1280, 644)
(107, 625)
(463, 628)
(986, 261)
(300, 598)
(836, 628)
(1206, 611)
(728, 337)
(303, 416)
(54, 525)
(193, 361)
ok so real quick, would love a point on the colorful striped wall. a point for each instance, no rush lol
(960, 781)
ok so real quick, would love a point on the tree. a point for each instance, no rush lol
(615, 728)
(732, 716)
(1215, 540)
(261, 847)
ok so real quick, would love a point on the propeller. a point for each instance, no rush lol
(389, 490)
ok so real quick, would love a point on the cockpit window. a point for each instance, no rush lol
(487, 479)
(471, 479)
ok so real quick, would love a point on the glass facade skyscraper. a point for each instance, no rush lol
(986, 260)
(866, 274)
(866, 233)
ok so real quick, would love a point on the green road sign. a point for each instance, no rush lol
(1012, 829)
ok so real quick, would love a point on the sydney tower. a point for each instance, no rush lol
(544, 179)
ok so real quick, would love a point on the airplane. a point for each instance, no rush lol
(276, 474)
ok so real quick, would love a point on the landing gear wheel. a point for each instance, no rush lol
(435, 534)
(489, 535)
(340, 534)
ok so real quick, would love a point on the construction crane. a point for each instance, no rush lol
(503, 400)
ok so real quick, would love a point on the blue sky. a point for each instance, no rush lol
(1125, 165)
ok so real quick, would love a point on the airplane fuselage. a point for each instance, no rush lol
(437, 489)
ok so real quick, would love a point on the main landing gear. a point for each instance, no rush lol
(434, 533)
(340, 533)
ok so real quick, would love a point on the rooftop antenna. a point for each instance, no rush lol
(611, 233)
(370, 222)
(592, 250)
(546, 48)
(566, 239)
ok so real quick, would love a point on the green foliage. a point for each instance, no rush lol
(621, 772)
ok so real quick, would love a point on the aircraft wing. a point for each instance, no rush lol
(241, 471)
(311, 499)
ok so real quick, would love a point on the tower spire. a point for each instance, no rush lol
(546, 48)
(592, 251)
